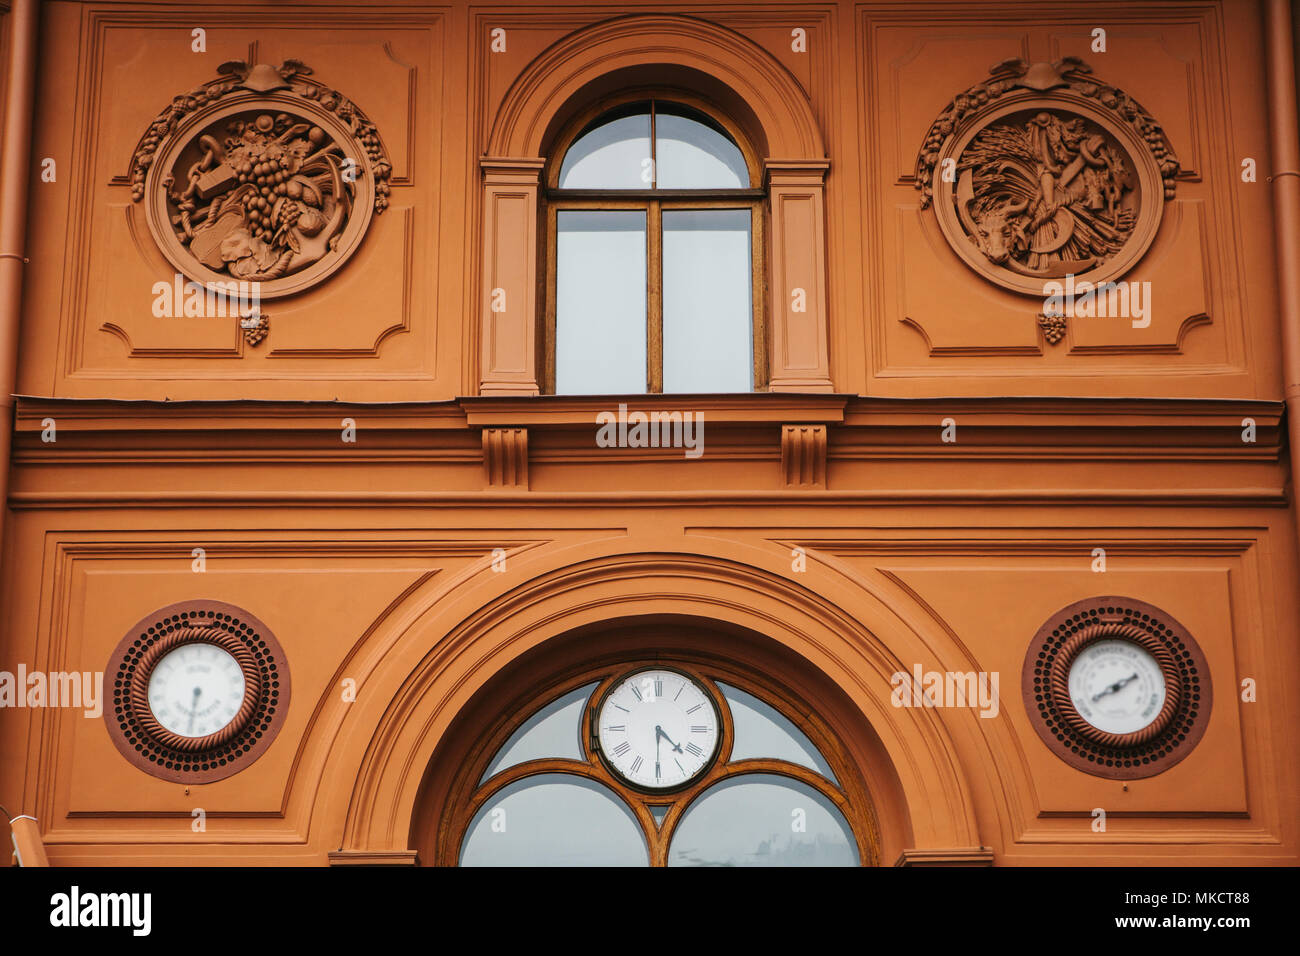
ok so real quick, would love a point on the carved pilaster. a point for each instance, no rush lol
(799, 343)
(803, 456)
(508, 331)
(505, 457)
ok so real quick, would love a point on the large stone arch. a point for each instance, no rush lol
(435, 650)
(788, 128)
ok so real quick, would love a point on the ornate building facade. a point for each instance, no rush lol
(767, 434)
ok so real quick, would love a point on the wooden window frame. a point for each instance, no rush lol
(848, 794)
(654, 202)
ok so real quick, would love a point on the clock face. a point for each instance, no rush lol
(196, 689)
(658, 729)
(1117, 686)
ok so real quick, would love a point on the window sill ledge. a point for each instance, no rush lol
(541, 411)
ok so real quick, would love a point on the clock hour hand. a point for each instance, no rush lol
(194, 709)
(659, 732)
(1118, 685)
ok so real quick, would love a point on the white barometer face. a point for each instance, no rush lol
(658, 729)
(1117, 686)
(196, 689)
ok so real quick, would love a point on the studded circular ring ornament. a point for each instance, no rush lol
(199, 690)
(260, 176)
(1043, 171)
(1117, 688)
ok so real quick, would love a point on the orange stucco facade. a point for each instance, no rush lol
(925, 479)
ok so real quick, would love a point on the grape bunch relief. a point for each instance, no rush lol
(264, 197)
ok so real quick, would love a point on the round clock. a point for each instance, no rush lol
(657, 729)
(1117, 688)
(199, 691)
(196, 689)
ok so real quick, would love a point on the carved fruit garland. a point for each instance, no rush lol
(260, 176)
(1046, 173)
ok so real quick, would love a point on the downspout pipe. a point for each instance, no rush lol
(1284, 137)
(15, 167)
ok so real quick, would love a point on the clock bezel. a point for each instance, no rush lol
(174, 641)
(1091, 636)
(595, 747)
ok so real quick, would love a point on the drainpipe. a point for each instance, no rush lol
(1279, 41)
(15, 162)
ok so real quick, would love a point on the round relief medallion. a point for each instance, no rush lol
(1042, 172)
(1117, 688)
(199, 690)
(260, 176)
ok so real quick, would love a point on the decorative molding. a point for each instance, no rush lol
(508, 296)
(373, 858)
(260, 176)
(754, 75)
(800, 333)
(803, 456)
(505, 458)
(1042, 171)
(957, 856)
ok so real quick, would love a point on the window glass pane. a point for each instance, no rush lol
(600, 303)
(749, 821)
(762, 731)
(691, 155)
(614, 155)
(708, 311)
(554, 819)
(554, 731)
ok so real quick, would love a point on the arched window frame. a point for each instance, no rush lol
(655, 202)
(469, 792)
(793, 156)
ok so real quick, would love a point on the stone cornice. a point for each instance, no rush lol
(1043, 423)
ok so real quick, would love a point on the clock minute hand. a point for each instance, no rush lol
(1118, 685)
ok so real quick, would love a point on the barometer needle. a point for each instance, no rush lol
(1118, 685)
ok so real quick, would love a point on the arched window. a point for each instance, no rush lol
(661, 764)
(654, 254)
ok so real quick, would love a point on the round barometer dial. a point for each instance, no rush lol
(658, 729)
(196, 689)
(1117, 686)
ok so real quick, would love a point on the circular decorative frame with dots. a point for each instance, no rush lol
(1159, 745)
(144, 742)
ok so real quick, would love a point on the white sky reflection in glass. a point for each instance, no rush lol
(554, 819)
(554, 731)
(614, 155)
(763, 820)
(764, 733)
(691, 155)
(708, 312)
(600, 302)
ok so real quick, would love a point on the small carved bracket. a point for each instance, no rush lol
(505, 457)
(803, 456)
